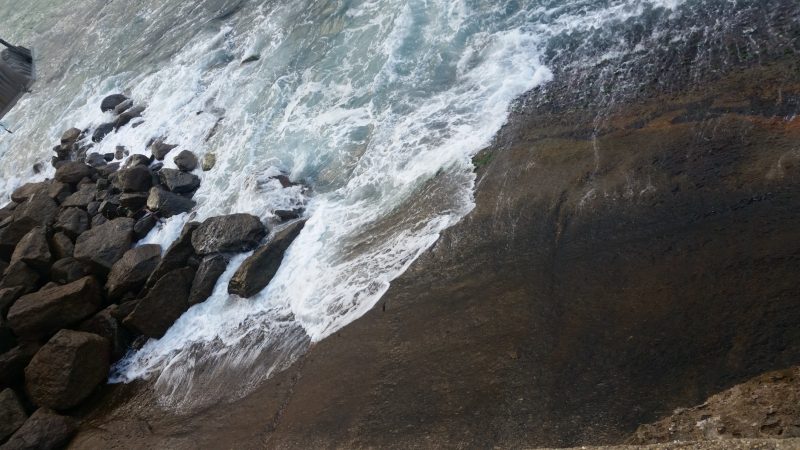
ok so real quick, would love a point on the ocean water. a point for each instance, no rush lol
(377, 106)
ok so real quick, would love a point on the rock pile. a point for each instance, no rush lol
(76, 292)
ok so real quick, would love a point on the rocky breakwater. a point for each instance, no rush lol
(77, 292)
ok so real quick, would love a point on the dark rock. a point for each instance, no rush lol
(124, 309)
(177, 255)
(59, 191)
(27, 190)
(13, 362)
(102, 184)
(44, 430)
(290, 214)
(105, 244)
(95, 160)
(144, 225)
(7, 338)
(109, 208)
(186, 161)
(168, 204)
(122, 107)
(160, 149)
(133, 201)
(231, 233)
(138, 159)
(93, 208)
(44, 312)
(7, 298)
(251, 58)
(12, 413)
(178, 182)
(67, 270)
(108, 157)
(49, 285)
(112, 101)
(72, 222)
(98, 220)
(81, 199)
(284, 180)
(72, 172)
(102, 131)
(107, 170)
(86, 181)
(206, 278)
(39, 210)
(131, 272)
(135, 179)
(258, 269)
(120, 152)
(105, 324)
(20, 274)
(155, 167)
(61, 246)
(67, 369)
(130, 114)
(70, 136)
(166, 301)
(33, 250)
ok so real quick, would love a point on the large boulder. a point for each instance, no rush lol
(67, 270)
(72, 172)
(206, 278)
(112, 101)
(46, 311)
(44, 430)
(258, 269)
(231, 233)
(138, 159)
(135, 179)
(104, 245)
(168, 204)
(33, 250)
(25, 191)
(81, 198)
(12, 413)
(72, 222)
(67, 369)
(105, 324)
(179, 182)
(38, 210)
(177, 254)
(186, 161)
(131, 272)
(162, 306)
(19, 274)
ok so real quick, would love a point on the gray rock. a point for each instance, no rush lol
(168, 204)
(72, 172)
(138, 159)
(160, 149)
(102, 131)
(133, 201)
(206, 278)
(33, 250)
(122, 107)
(44, 430)
(67, 369)
(178, 182)
(131, 272)
(186, 161)
(44, 312)
(231, 233)
(120, 152)
(12, 414)
(61, 246)
(144, 225)
(67, 270)
(98, 220)
(81, 198)
(72, 222)
(70, 136)
(130, 114)
(107, 170)
(95, 160)
(105, 244)
(135, 179)
(112, 101)
(161, 307)
(258, 269)
(177, 255)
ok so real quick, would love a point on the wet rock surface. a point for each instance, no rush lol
(47, 311)
(232, 233)
(164, 303)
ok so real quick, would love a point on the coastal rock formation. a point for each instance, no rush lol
(49, 310)
(232, 233)
(44, 430)
(164, 303)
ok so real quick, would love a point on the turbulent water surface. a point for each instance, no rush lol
(376, 105)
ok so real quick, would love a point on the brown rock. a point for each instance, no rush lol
(62, 246)
(258, 269)
(44, 312)
(33, 250)
(72, 222)
(177, 254)
(168, 204)
(12, 414)
(72, 172)
(231, 233)
(131, 272)
(70, 136)
(163, 305)
(105, 244)
(27, 190)
(105, 324)
(19, 274)
(80, 199)
(67, 270)
(13, 362)
(206, 278)
(44, 430)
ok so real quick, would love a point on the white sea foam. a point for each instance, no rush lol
(376, 105)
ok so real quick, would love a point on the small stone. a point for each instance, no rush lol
(122, 107)
(144, 225)
(81, 199)
(96, 160)
(177, 254)
(19, 274)
(138, 159)
(135, 179)
(59, 191)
